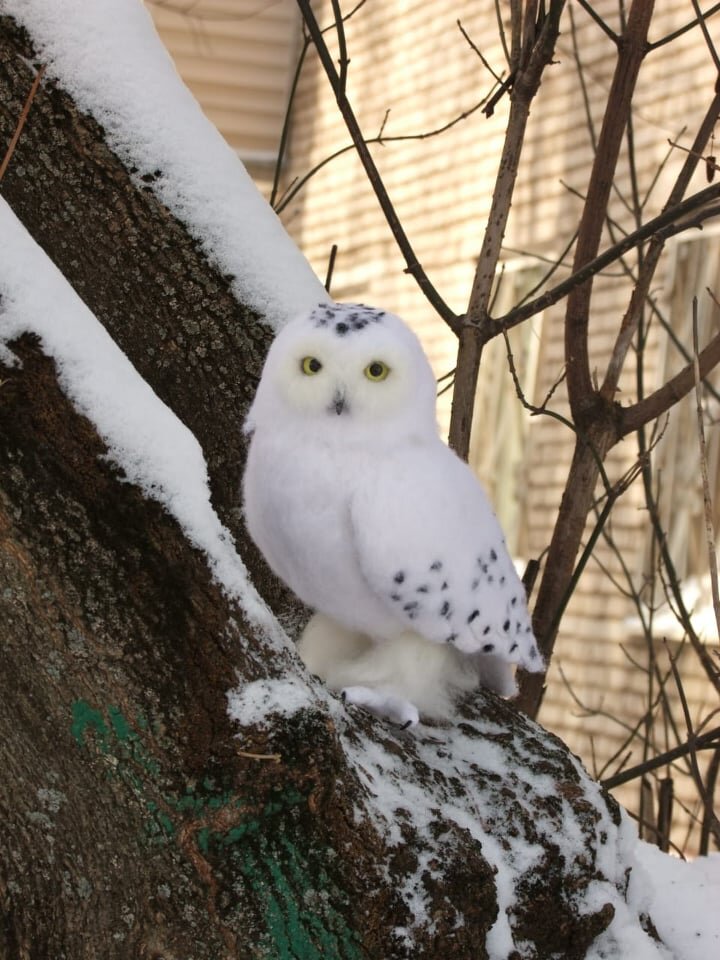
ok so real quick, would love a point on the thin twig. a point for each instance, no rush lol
(692, 752)
(708, 741)
(599, 21)
(343, 58)
(285, 132)
(701, 19)
(331, 266)
(684, 29)
(413, 267)
(497, 77)
(21, 121)
(631, 54)
(299, 182)
(667, 224)
(274, 757)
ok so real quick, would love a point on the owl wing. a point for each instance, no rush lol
(432, 550)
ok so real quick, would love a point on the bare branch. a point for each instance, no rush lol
(688, 26)
(501, 31)
(707, 741)
(330, 267)
(528, 75)
(285, 132)
(496, 77)
(343, 59)
(668, 395)
(630, 57)
(297, 184)
(21, 121)
(692, 753)
(701, 19)
(629, 324)
(413, 266)
(688, 213)
(588, 8)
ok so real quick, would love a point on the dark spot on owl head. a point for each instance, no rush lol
(475, 584)
(493, 556)
(513, 601)
(322, 314)
(423, 588)
(502, 580)
(452, 638)
(473, 616)
(506, 626)
(395, 597)
(436, 565)
(399, 577)
(445, 609)
(486, 630)
(409, 607)
(444, 585)
(513, 648)
(488, 647)
(341, 329)
(533, 653)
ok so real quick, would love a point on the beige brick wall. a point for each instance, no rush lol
(411, 60)
(236, 57)
(412, 72)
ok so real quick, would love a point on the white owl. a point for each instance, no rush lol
(373, 522)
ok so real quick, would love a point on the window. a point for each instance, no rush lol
(499, 442)
(694, 269)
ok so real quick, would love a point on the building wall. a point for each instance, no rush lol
(237, 58)
(411, 74)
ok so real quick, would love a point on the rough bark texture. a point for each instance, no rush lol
(133, 822)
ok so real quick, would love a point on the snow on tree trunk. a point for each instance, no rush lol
(173, 783)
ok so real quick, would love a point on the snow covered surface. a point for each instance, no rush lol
(107, 54)
(682, 899)
(155, 450)
(255, 702)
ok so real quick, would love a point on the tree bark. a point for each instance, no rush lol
(138, 820)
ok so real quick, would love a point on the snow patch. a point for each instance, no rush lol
(255, 702)
(107, 55)
(682, 898)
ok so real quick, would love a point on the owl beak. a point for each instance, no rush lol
(339, 404)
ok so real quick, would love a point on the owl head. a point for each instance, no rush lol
(346, 370)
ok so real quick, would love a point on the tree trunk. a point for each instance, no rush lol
(136, 818)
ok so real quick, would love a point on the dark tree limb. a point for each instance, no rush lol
(631, 53)
(533, 54)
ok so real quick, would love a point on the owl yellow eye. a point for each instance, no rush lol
(310, 366)
(377, 370)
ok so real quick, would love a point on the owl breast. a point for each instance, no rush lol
(297, 506)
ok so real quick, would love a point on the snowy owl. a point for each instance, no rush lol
(373, 522)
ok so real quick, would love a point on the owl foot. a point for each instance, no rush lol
(384, 705)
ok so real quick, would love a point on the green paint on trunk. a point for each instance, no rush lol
(268, 850)
(85, 718)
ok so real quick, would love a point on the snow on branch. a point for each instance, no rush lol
(107, 55)
(153, 448)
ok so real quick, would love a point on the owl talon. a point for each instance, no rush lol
(387, 706)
